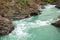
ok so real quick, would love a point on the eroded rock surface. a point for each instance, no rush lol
(6, 26)
(10, 9)
(57, 3)
(56, 24)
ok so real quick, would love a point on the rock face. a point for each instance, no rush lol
(10, 9)
(57, 2)
(56, 24)
(54, 2)
(6, 26)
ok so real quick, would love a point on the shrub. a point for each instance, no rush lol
(23, 2)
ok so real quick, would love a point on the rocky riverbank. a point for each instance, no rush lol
(6, 26)
(53, 2)
(11, 10)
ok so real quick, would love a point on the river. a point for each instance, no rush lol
(36, 27)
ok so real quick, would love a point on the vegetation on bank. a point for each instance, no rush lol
(49, 1)
(27, 2)
(24, 2)
(21, 3)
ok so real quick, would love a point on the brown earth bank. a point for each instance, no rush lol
(10, 10)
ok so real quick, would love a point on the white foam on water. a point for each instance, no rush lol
(49, 6)
(19, 31)
(23, 25)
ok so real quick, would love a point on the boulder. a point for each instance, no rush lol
(56, 24)
(6, 26)
(57, 3)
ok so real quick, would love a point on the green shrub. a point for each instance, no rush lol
(23, 2)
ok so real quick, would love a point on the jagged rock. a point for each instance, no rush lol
(33, 14)
(44, 3)
(57, 7)
(6, 26)
(57, 3)
(10, 9)
(56, 24)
